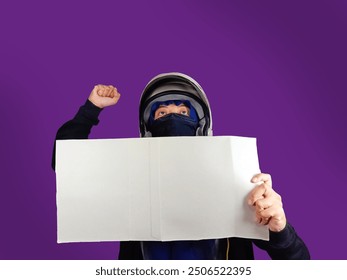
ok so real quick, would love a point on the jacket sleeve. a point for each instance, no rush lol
(284, 245)
(80, 126)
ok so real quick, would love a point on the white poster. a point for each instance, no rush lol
(170, 188)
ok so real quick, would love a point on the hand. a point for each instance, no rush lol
(267, 203)
(103, 96)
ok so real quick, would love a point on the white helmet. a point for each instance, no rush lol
(175, 86)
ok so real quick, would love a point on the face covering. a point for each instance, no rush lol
(173, 125)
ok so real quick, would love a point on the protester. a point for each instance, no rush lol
(174, 104)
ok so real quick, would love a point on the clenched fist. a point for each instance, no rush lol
(103, 96)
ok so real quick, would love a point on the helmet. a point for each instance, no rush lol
(175, 86)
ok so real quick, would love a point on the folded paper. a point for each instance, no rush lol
(170, 188)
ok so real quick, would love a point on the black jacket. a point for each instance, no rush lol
(283, 245)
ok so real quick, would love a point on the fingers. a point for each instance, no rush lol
(269, 201)
(266, 178)
(262, 206)
(265, 216)
(274, 217)
(103, 96)
(116, 96)
(262, 220)
(267, 204)
(106, 91)
(262, 190)
(259, 192)
(112, 91)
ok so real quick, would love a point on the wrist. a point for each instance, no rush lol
(95, 103)
(278, 226)
(283, 238)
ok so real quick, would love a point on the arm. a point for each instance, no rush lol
(284, 242)
(80, 126)
(284, 245)
(87, 116)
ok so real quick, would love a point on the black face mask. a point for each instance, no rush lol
(173, 125)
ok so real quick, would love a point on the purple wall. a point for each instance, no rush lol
(272, 70)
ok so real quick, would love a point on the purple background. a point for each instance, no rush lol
(273, 70)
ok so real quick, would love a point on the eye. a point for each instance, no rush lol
(184, 111)
(160, 113)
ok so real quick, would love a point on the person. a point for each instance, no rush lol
(174, 104)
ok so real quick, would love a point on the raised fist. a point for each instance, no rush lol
(103, 96)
